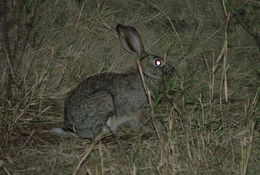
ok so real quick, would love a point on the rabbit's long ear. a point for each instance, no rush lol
(130, 39)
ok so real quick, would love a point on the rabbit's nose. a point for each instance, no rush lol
(168, 69)
(165, 69)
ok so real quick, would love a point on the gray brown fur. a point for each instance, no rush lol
(89, 106)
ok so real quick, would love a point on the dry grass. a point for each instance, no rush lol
(207, 120)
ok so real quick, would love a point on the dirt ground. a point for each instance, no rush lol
(206, 115)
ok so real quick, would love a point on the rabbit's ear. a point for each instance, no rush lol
(130, 39)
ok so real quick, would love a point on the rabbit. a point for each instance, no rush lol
(104, 101)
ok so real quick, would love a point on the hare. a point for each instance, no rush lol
(107, 100)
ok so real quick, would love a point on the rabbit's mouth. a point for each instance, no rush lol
(149, 75)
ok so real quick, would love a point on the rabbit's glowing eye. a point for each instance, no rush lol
(158, 62)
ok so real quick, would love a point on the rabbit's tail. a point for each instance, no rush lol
(58, 131)
(61, 132)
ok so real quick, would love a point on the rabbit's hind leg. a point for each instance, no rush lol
(99, 109)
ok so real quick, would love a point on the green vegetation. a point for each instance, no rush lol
(204, 121)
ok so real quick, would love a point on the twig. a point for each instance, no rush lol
(223, 54)
(5, 169)
(172, 25)
(101, 158)
(148, 93)
(84, 158)
(29, 30)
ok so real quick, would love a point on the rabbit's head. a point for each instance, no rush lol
(152, 65)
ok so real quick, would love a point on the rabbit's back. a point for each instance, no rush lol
(126, 90)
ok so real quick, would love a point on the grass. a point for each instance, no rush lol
(205, 119)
